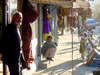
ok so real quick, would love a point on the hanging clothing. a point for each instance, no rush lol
(29, 16)
(29, 13)
(46, 23)
(70, 21)
(60, 22)
(27, 41)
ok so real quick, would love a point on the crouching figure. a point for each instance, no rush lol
(48, 49)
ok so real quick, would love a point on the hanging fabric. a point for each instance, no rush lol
(27, 43)
(46, 23)
(29, 13)
(29, 16)
(60, 21)
(70, 21)
(73, 21)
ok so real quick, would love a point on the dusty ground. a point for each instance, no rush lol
(62, 64)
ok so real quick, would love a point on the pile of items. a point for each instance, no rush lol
(94, 55)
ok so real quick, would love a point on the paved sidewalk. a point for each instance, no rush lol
(62, 64)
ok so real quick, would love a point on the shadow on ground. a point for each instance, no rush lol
(60, 69)
(67, 50)
(69, 43)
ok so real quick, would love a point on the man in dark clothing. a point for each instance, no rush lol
(12, 44)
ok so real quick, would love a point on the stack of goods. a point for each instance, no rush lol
(94, 58)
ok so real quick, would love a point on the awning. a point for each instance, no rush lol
(83, 3)
(66, 3)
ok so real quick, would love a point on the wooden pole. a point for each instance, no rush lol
(72, 54)
(72, 30)
(72, 39)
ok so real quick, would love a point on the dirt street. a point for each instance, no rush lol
(62, 64)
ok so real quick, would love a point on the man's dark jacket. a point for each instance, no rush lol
(11, 45)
